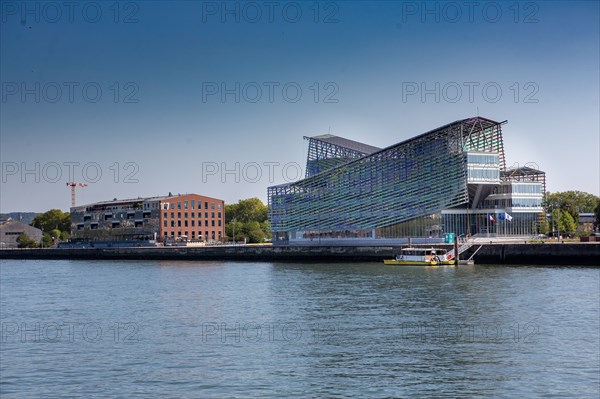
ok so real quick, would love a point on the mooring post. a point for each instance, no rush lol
(456, 249)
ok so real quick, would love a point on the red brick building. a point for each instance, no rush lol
(194, 216)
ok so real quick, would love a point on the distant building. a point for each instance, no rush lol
(176, 217)
(10, 230)
(586, 222)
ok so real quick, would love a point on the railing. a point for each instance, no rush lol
(465, 246)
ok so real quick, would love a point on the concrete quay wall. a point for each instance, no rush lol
(573, 254)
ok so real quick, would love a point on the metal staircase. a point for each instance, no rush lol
(462, 249)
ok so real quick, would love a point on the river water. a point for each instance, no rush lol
(138, 329)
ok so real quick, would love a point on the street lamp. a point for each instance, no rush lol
(233, 221)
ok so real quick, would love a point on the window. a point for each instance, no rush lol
(206, 215)
(533, 188)
(185, 205)
(179, 223)
(139, 223)
(484, 174)
(164, 223)
(185, 223)
(87, 218)
(212, 205)
(171, 205)
(206, 223)
(178, 204)
(219, 223)
(172, 223)
(199, 204)
(165, 205)
(165, 215)
(213, 235)
(483, 159)
(206, 235)
(205, 204)
(527, 202)
(116, 225)
(193, 234)
(212, 214)
(219, 215)
(173, 215)
(185, 215)
(94, 226)
(108, 216)
(219, 206)
(80, 226)
(146, 214)
(178, 215)
(193, 205)
(212, 223)
(193, 221)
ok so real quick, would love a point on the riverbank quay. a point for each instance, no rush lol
(567, 254)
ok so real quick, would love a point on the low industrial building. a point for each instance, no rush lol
(452, 179)
(167, 219)
(10, 230)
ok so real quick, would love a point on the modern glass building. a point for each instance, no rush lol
(452, 179)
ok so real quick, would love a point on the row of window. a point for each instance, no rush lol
(109, 216)
(484, 159)
(514, 202)
(533, 188)
(207, 234)
(527, 188)
(185, 223)
(191, 215)
(190, 205)
(484, 174)
(114, 225)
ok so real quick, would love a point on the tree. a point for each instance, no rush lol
(24, 241)
(251, 222)
(46, 240)
(544, 227)
(567, 223)
(251, 209)
(229, 230)
(573, 202)
(51, 220)
(253, 232)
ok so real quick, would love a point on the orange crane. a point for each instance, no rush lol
(73, 185)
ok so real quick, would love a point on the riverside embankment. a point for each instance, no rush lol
(574, 254)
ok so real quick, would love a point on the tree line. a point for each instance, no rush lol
(565, 207)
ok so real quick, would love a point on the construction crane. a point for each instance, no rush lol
(73, 185)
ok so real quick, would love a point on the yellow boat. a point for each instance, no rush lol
(422, 257)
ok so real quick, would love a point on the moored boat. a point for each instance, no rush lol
(422, 257)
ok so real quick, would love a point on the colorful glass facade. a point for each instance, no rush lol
(357, 191)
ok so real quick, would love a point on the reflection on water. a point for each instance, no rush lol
(223, 329)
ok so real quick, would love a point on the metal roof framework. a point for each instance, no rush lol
(525, 174)
(328, 151)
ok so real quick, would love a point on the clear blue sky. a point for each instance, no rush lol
(161, 118)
